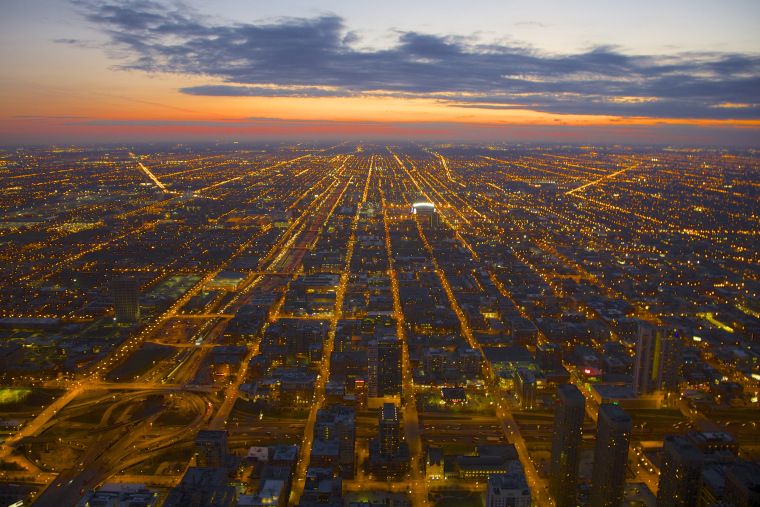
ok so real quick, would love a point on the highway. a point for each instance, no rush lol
(114, 447)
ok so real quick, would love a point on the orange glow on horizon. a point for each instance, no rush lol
(37, 110)
(157, 98)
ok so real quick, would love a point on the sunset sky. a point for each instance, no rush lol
(683, 72)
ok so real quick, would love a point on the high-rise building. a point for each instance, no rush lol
(659, 351)
(435, 220)
(680, 473)
(566, 445)
(388, 453)
(211, 448)
(742, 487)
(389, 429)
(549, 356)
(126, 299)
(526, 388)
(645, 366)
(613, 436)
(384, 367)
(672, 359)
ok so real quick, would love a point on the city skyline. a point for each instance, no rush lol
(361, 322)
(128, 71)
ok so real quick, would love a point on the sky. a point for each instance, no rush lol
(665, 72)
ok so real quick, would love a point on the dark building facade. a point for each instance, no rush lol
(566, 445)
(388, 453)
(384, 367)
(211, 448)
(613, 436)
(742, 487)
(680, 473)
(659, 353)
(126, 299)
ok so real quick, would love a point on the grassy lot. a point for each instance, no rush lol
(13, 396)
(476, 404)
(20, 399)
(251, 411)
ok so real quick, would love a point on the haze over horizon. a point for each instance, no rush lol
(682, 73)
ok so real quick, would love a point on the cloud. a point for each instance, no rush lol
(532, 23)
(317, 57)
(266, 91)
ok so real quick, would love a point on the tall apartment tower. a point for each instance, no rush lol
(435, 220)
(566, 445)
(613, 436)
(659, 351)
(680, 473)
(672, 359)
(388, 452)
(211, 448)
(126, 299)
(742, 487)
(389, 429)
(384, 367)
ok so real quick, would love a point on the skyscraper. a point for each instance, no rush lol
(659, 351)
(680, 473)
(384, 367)
(672, 358)
(435, 220)
(388, 453)
(645, 366)
(126, 299)
(389, 429)
(566, 445)
(613, 436)
(742, 487)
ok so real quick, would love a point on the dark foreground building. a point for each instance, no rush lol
(613, 435)
(566, 445)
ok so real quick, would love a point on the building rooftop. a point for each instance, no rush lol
(683, 448)
(610, 392)
(614, 413)
(571, 393)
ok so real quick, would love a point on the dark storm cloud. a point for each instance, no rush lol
(254, 91)
(315, 58)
